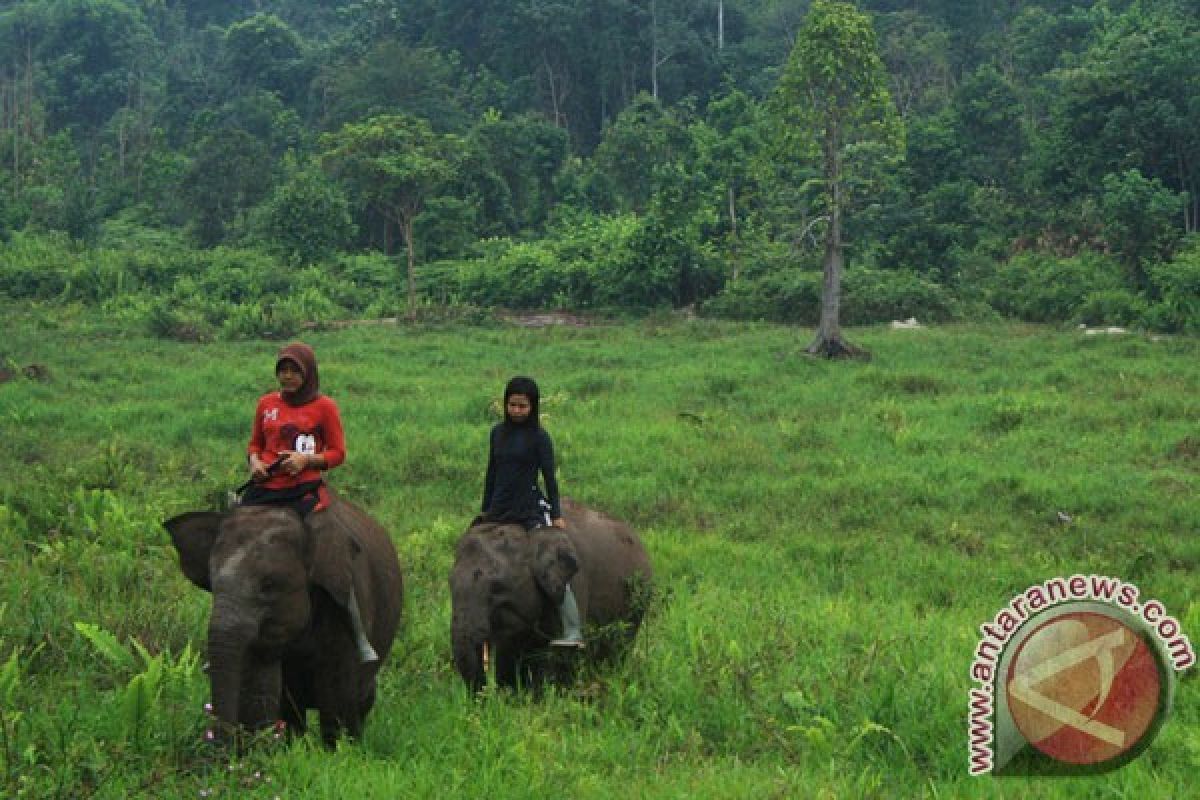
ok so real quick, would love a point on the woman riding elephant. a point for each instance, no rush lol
(296, 436)
(518, 449)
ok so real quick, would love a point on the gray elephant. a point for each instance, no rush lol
(280, 637)
(507, 583)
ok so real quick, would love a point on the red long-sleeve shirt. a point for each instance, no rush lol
(315, 427)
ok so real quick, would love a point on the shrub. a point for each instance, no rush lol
(34, 267)
(1039, 287)
(1177, 283)
(868, 296)
(1112, 307)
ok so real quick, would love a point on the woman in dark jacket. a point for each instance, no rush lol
(518, 449)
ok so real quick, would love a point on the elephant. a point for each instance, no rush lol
(280, 637)
(506, 585)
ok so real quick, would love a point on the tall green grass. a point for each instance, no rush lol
(828, 537)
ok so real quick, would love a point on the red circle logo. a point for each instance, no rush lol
(1084, 688)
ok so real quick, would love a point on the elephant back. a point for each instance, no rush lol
(613, 561)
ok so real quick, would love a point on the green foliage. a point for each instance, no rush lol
(1140, 220)
(263, 51)
(1177, 284)
(1043, 288)
(869, 297)
(307, 218)
(591, 262)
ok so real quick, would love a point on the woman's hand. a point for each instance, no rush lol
(258, 470)
(294, 463)
(559, 522)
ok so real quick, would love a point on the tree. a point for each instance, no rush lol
(731, 142)
(1140, 221)
(392, 76)
(394, 164)
(1131, 102)
(514, 161)
(644, 137)
(263, 52)
(307, 217)
(229, 174)
(834, 89)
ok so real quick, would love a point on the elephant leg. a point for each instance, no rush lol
(261, 690)
(337, 691)
(368, 699)
(297, 697)
(506, 667)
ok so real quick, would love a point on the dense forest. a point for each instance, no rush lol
(211, 167)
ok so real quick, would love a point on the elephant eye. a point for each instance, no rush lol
(268, 585)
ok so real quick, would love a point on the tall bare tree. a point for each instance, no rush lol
(834, 95)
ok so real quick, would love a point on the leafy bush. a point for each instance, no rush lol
(32, 267)
(584, 263)
(868, 296)
(1039, 287)
(791, 296)
(1112, 307)
(1177, 283)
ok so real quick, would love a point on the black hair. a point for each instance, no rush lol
(528, 387)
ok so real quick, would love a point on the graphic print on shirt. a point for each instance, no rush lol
(299, 440)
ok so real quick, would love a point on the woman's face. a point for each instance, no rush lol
(289, 375)
(517, 407)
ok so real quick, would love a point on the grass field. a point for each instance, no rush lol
(828, 539)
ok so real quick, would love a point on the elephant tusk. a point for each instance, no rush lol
(486, 656)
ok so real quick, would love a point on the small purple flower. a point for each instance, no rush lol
(208, 709)
(210, 735)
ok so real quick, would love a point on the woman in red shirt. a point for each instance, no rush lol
(297, 435)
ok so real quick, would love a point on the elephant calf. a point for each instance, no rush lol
(280, 640)
(507, 583)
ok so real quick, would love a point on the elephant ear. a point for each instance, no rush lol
(334, 558)
(554, 564)
(193, 535)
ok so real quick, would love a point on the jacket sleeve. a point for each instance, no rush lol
(258, 439)
(546, 463)
(335, 437)
(489, 480)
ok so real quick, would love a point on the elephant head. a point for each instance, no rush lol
(506, 586)
(261, 564)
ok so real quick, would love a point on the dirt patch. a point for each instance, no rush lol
(545, 319)
(1186, 449)
(33, 372)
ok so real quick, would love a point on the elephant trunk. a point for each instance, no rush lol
(246, 685)
(469, 636)
(226, 661)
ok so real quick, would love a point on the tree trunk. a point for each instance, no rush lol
(829, 342)
(720, 25)
(733, 235)
(412, 282)
(654, 49)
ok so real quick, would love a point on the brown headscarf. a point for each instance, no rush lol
(302, 356)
